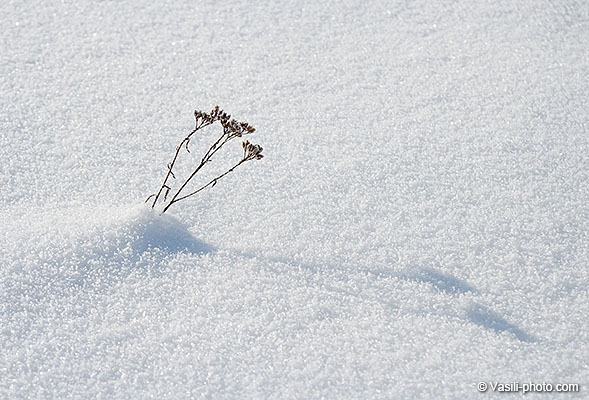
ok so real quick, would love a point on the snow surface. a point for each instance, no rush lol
(419, 223)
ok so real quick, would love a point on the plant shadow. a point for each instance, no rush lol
(443, 282)
(488, 319)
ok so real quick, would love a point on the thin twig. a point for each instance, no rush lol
(212, 182)
(197, 127)
(231, 129)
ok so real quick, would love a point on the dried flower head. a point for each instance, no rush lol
(252, 151)
(231, 130)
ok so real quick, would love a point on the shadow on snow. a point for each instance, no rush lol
(443, 282)
(488, 319)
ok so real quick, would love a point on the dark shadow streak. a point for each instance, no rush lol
(444, 282)
(488, 319)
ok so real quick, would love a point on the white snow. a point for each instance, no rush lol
(419, 223)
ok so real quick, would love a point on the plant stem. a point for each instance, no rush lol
(204, 160)
(231, 129)
(168, 174)
(171, 165)
(212, 182)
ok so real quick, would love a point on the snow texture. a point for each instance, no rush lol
(419, 223)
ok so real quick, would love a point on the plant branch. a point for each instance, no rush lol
(212, 182)
(231, 129)
(199, 124)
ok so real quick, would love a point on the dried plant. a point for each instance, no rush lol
(231, 129)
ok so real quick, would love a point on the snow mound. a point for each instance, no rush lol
(56, 252)
(102, 232)
(63, 270)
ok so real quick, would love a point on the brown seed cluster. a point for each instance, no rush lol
(231, 127)
(252, 151)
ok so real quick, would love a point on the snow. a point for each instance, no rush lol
(418, 224)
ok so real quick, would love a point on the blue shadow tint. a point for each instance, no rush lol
(488, 319)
